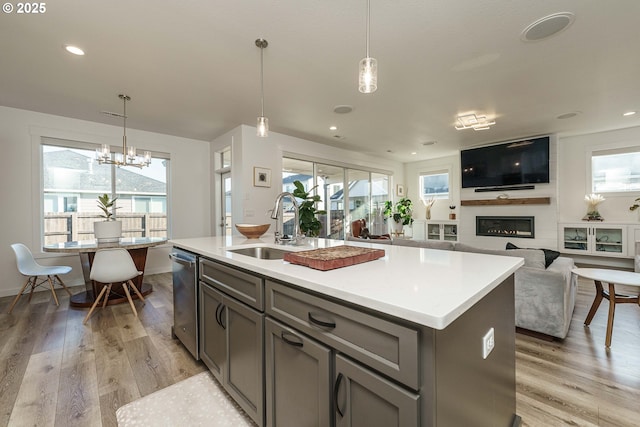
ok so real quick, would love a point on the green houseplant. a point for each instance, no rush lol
(400, 212)
(106, 205)
(309, 223)
(108, 230)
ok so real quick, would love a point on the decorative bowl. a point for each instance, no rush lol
(252, 231)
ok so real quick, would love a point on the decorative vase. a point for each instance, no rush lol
(107, 231)
(452, 216)
(427, 212)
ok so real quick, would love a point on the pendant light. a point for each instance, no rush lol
(263, 122)
(368, 76)
(129, 156)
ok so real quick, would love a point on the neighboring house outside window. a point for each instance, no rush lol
(434, 184)
(615, 170)
(72, 180)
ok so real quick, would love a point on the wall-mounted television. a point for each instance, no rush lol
(506, 164)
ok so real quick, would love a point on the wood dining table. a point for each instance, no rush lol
(137, 247)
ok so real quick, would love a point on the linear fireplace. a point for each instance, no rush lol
(505, 226)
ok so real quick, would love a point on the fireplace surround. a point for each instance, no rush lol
(506, 226)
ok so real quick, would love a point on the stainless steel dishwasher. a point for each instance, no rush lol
(185, 294)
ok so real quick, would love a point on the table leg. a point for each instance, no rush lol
(612, 312)
(596, 302)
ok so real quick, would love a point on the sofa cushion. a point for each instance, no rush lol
(430, 244)
(532, 257)
(549, 254)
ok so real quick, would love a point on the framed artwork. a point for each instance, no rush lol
(261, 177)
(400, 190)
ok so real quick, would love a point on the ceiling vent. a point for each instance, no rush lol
(547, 26)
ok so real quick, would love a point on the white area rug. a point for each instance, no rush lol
(196, 401)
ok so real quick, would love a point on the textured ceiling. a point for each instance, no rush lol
(192, 68)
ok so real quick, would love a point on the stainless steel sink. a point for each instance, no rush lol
(261, 252)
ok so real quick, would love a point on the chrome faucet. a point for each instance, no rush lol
(276, 214)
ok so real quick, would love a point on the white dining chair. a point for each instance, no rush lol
(114, 266)
(27, 266)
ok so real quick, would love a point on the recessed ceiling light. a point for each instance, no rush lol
(429, 143)
(73, 49)
(629, 113)
(413, 153)
(333, 127)
(342, 109)
(547, 26)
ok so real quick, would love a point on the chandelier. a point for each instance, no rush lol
(129, 156)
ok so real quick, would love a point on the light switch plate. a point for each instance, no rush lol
(488, 342)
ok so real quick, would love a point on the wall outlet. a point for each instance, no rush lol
(488, 342)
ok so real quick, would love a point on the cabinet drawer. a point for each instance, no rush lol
(385, 346)
(242, 286)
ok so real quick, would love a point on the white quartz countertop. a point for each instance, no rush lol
(425, 286)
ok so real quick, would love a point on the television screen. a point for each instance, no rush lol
(512, 163)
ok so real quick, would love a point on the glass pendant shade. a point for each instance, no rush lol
(368, 76)
(263, 126)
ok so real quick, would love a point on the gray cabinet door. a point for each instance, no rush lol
(298, 379)
(213, 342)
(364, 399)
(244, 376)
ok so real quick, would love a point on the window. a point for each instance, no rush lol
(434, 185)
(344, 193)
(73, 179)
(616, 170)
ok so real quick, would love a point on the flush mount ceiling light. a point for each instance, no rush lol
(129, 156)
(368, 75)
(263, 122)
(547, 26)
(471, 121)
(629, 113)
(73, 49)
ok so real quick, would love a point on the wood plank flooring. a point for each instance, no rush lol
(54, 371)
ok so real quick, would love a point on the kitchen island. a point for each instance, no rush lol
(417, 337)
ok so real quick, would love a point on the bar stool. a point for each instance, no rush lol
(27, 266)
(114, 266)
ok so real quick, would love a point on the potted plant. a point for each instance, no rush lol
(310, 225)
(108, 230)
(401, 213)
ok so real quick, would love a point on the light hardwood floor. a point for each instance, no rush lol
(56, 371)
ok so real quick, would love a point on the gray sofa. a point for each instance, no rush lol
(544, 297)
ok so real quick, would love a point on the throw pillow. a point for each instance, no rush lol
(549, 254)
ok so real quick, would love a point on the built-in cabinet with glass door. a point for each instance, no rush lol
(442, 230)
(594, 239)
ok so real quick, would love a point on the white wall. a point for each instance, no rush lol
(575, 184)
(20, 132)
(250, 204)
(546, 217)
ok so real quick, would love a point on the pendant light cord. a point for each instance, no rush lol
(262, 81)
(368, 20)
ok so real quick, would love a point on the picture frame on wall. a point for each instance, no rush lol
(400, 190)
(261, 177)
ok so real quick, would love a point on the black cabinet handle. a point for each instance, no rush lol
(336, 389)
(222, 311)
(326, 324)
(218, 313)
(219, 309)
(284, 334)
